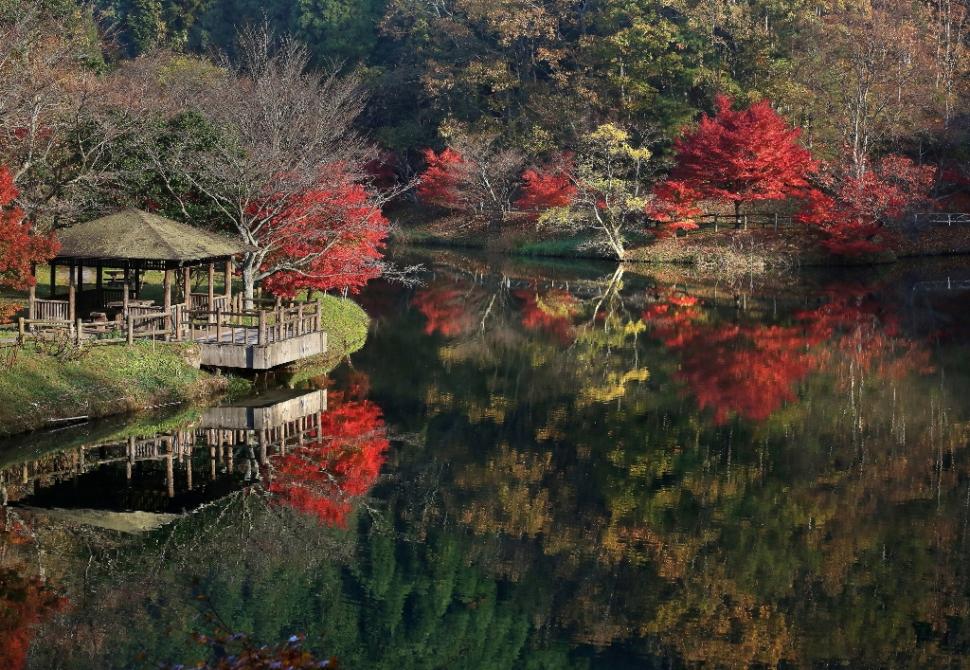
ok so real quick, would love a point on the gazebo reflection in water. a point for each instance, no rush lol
(104, 479)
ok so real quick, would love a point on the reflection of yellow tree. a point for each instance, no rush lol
(520, 507)
(715, 622)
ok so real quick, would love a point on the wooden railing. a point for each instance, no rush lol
(941, 218)
(51, 310)
(200, 301)
(743, 221)
(255, 326)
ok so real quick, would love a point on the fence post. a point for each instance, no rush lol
(218, 324)
(319, 315)
(131, 330)
(262, 328)
(776, 222)
(715, 223)
(77, 332)
(21, 329)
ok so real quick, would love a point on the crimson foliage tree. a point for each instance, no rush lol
(742, 156)
(849, 211)
(443, 177)
(20, 246)
(549, 187)
(329, 237)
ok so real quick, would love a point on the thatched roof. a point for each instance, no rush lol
(132, 234)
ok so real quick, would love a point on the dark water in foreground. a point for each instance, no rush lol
(537, 466)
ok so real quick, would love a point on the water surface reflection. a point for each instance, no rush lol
(541, 466)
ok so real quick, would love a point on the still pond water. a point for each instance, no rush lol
(536, 465)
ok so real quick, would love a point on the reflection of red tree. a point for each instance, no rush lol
(446, 310)
(748, 371)
(322, 479)
(752, 370)
(863, 330)
(25, 601)
(552, 312)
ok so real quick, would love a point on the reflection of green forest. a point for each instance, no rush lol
(389, 603)
(596, 474)
(834, 528)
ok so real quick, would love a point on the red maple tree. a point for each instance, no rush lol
(20, 246)
(323, 478)
(330, 237)
(848, 211)
(443, 177)
(547, 187)
(674, 207)
(742, 156)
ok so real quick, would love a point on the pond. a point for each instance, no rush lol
(536, 465)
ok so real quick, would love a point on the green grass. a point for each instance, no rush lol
(39, 384)
(346, 324)
(566, 247)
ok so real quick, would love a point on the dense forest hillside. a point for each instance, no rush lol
(863, 74)
(608, 124)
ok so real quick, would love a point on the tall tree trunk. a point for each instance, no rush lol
(249, 281)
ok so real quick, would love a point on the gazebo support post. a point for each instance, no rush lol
(53, 280)
(187, 284)
(167, 304)
(227, 282)
(212, 289)
(99, 284)
(71, 295)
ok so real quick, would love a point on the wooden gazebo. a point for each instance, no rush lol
(117, 250)
(109, 305)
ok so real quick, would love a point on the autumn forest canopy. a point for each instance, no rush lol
(305, 127)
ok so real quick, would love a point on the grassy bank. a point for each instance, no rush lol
(746, 251)
(40, 384)
(346, 324)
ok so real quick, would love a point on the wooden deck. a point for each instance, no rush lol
(267, 335)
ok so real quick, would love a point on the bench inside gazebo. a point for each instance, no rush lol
(102, 298)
